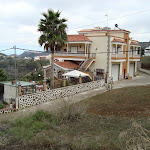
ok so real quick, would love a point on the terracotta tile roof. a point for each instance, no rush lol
(118, 40)
(77, 38)
(91, 30)
(67, 64)
(134, 43)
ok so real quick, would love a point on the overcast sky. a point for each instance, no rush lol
(19, 19)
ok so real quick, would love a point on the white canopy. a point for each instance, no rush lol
(76, 74)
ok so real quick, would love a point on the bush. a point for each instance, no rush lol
(25, 128)
(70, 111)
(145, 62)
(67, 83)
(2, 105)
(136, 137)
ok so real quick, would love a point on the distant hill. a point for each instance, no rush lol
(32, 54)
(144, 44)
(1, 54)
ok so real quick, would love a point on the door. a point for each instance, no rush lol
(115, 72)
(131, 69)
(74, 49)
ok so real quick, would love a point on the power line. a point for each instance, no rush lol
(140, 33)
(110, 19)
(70, 52)
(5, 50)
(96, 23)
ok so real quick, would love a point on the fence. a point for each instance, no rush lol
(41, 97)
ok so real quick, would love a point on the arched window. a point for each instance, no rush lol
(60, 74)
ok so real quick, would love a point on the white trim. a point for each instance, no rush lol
(80, 42)
(119, 43)
(121, 60)
(134, 59)
(78, 59)
(135, 45)
(45, 67)
(90, 63)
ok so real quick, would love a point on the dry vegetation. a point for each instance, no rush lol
(115, 120)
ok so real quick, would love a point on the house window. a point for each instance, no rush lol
(60, 74)
(48, 73)
(135, 51)
(100, 72)
(114, 49)
(119, 49)
(74, 49)
(131, 50)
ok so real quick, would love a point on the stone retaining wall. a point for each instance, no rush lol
(45, 96)
(4, 111)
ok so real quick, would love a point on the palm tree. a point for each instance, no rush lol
(53, 35)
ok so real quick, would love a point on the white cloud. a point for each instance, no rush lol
(20, 18)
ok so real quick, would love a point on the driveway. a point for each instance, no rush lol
(140, 80)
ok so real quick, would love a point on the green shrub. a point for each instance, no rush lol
(28, 127)
(2, 105)
(145, 62)
(67, 83)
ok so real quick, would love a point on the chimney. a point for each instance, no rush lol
(97, 28)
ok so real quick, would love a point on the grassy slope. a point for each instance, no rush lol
(79, 127)
(131, 102)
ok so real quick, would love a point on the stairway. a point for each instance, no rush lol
(86, 64)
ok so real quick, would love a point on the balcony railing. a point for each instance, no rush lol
(78, 54)
(134, 55)
(118, 55)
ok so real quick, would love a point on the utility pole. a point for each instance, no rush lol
(16, 100)
(107, 19)
(108, 58)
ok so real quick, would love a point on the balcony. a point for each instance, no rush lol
(134, 56)
(71, 56)
(118, 55)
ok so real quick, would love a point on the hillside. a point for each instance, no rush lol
(144, 44)
(23, 67)
(114, 120)
(32, 54)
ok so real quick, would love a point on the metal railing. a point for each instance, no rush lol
(78, 54)
(118, 55)
(134, 55)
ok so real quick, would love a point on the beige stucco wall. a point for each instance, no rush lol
(116, 34)
(99, 44)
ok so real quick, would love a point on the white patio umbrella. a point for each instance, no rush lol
(76, 74)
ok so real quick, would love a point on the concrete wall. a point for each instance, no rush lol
(9, 92)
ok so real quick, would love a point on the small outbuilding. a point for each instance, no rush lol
(10, 90)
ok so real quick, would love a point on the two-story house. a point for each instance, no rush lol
(100, 52)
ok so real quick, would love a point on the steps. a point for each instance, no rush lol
(86, 64)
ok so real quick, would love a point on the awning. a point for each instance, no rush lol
(76, 74)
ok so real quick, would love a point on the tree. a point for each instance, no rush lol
(3, 76)
(53, 35)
